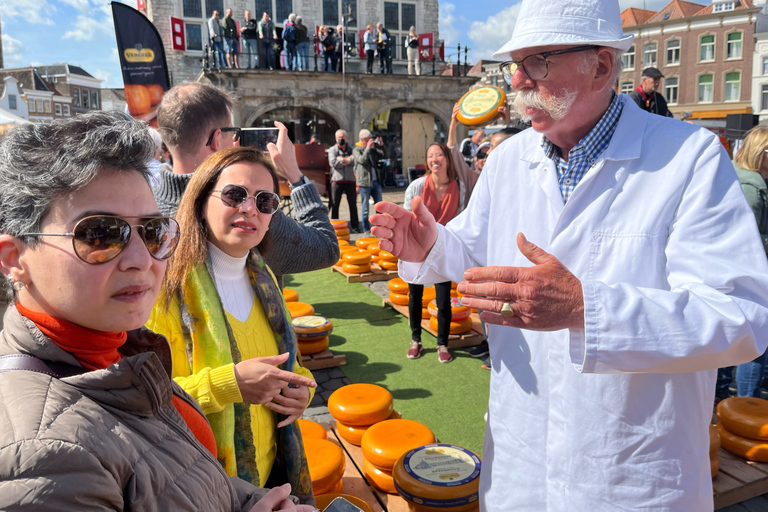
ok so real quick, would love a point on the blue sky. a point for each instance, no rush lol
(37, 32)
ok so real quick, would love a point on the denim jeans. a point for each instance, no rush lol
(365, 195)
(723, 384)
(251, 47)
(267, 54)
(218, 50)
(750, 375)
(384, 61)
(302, 58)
(290, 54)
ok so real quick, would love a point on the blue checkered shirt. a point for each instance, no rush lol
(584, 155)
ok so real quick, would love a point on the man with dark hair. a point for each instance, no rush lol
(250, 36)
(342, 163)
(216, 37)
(231, 39)
(646, 96)
(267, 35)
(195, 121)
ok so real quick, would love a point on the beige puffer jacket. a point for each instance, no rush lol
(103, 440)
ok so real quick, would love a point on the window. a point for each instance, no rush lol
(76, 97)
(649, 55)
(723, 6)
(765, 65)
(39, 106)
(733, 46)
(666, 16)
(707, 48)
(194, 36)
(392, 16)
(407, 16)
(263, 6)
(94, 99)
(284, 8)
(331, 12)
(626, 87)
(47, 105)
(495, 80)
(706, 85)
(57, 109)
(214, 5)
(764, 97)
(85, 99)
(673, 52)
(193, 9)
(350, 6)
(31, 107)
(12, 101)
(670, 89)
(732, 86)
(66, 110)
(628, 59)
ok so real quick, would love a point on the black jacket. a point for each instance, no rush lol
(655, 104)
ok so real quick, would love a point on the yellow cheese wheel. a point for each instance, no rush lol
(342, 232)
(343, 243)
(386, 441)
(343, 237)
(458, 312)
(397, 285)
(454, 285)
(339, 223)
(425, 313)
(387, 265)
(326, 464)
(357, 257)
(322, 501)
(373, 249)
(290, 295)
(750, 449)
(312, 345)
(428, 295)
(311, 430)
(387, 256)
(309, 327)
(300, 309)
(338, 488)
(360, 404)
(714, 440)
(382, 480)
(364, 242)
(455, 294)
(714, 465)
(354, 434)
(347, 248)
(351, 268)
(480, 105)
(460, 327)
(745, 416)
(438, 477)
(398, 298)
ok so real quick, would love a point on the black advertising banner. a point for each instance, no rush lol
(142, 60)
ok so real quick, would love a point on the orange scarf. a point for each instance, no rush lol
(444, 210)
(96, 350)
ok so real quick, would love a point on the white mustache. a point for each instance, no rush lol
(557, 107)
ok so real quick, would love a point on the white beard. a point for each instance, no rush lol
(557, 107)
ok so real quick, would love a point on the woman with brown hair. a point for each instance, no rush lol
(226, 321)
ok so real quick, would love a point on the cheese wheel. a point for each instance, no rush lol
(438, 477)
(326, 464)
(311, 429)
(360, 404)
(290, 295)
(343, 243)
(480, 106)
(386, 441)
(351, 268)
(313, 345)
(714, 440)
(338, 488)
(312, 327)
(454, 285)
(745, 416)
(428, 295)
(382, 480)
(750, 449)
(397, 285)
(455, 294)
(714, 465)
(373, 249)
(357, 257)
(347, 248)
(460, 327)
(387, 256)
(322, 501)
(425, 313)
(398, 298)
(300, 309)
(354, 434)
(339, 223)
(343, 237)
(387, 265)
(342, 232)
(458, 312)
(364, 242)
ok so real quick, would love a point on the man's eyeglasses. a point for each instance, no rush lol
(100, 238)
(234, 129)
(536, 66)
(234, 196)
(481, 155)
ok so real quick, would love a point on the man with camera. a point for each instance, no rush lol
(367, 156)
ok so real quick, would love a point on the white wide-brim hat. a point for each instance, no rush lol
(566, 22)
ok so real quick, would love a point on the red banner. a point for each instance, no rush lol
(426, 46)
(177, 34)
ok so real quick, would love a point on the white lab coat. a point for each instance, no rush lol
(675, 282)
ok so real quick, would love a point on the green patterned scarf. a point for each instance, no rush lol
(204, 323)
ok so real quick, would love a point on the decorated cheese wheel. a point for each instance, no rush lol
(343, 243)
(339, 223)
(311, 430)
(745, 416)
(342, 232)
(309, 346)
(290, 295)
(400, 299)
(480, 105)
(308, 327)
(326, 464)
(354, 434)
(364, 242)
(387, 265)
(744, 447)
(397, 285)
(351, 268)
(382, 480)
(357, 257)
(322, 501)
(458, 312)
(387, 256)
(360, 404)
(714, 465)
(300, 309)
(387, 441)
(460, 327)
(438, 477)
(714, 440)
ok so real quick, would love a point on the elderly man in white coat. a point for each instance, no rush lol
(619, 261)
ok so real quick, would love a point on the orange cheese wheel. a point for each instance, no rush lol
(745, 416)
(343, 243)
(398, 298)
(364, 242)
(290, 295)
(714, 441)
(454, 285)
(339, 223)
(360, 404)
(387, 265)
(343, 237)
(425, 313)
(312, 327)
(300, 309)
(338, 488)
(322, 501)
(460, 327)
(357, 257)
(326, 464)
(311, 430)
(382, 480)
(351, 268)
(750, 449)
(373, 249)
(387, 441)
(347, 248)
(438, 477)
(312, 345)
(397, 285)
(714, 465)
(387, 256)
(374, 259)
(342, 232)
(455, 294)
(428, 295)
(354, 434)
(458, 312)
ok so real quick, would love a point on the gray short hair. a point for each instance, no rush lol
(589, 58)
(292, 17)
(364, 134)
(41, 162)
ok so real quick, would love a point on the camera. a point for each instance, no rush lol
(330, 30)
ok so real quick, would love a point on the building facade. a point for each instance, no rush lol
(73, 81)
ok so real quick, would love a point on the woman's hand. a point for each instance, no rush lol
(291, 403)
(260, 381)
(284, 155)
(277, 499)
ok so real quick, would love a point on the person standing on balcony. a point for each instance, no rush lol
(302, 45)
(383, 45)
(250, 35)
(215, 35)
(412, 51)
(267, 35)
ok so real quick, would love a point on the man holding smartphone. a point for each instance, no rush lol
(342, 163)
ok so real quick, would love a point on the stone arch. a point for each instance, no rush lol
(429, 107)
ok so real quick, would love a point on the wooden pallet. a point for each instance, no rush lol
(470, 339)
(376, 274)
(738, 480)
(321, 360)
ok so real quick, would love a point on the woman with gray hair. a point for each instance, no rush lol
(91, 418)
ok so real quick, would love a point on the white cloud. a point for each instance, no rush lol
(85, 28)
(490, 35)
(102, 75)
(80, 5)
(42, 13)
(446, 19)
(13, 51)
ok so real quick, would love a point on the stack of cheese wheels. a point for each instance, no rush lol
(384, 443)
(326, 465)
(358, 406)
(743, 427)
(322, 501)
(438, 478)
(356, 262)
(297, 309)
(398, 294)
(311, 430)
(342, 250)
(714, 447)
(342, 231)
(374, 249)
(343, 243)
(459, 295)
(312, 333)
(353, 434)
(454, 291)
(387, 260)
(364, 242)
(290, 295)
(460, 321)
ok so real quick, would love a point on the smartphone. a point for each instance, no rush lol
(258, 137)
(342, 505)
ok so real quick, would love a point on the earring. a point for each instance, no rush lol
(17, 285)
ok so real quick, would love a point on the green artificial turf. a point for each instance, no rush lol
(451, 399)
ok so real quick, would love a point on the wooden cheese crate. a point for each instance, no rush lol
(470, 339)
(321, 360)
(738, 480)
(376, 274)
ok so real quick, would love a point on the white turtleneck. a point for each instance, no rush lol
(232, 283)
